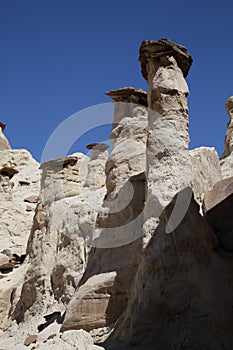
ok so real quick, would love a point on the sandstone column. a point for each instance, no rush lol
(128, 136)
(165, 65)
(229, 133)
(96, 168)
(128, 156)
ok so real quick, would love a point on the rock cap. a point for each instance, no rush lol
(129, 94)
(98, 146)
(59, 163)
(154, 49)
(2, 125)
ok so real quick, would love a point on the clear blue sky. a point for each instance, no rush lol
(60, 56)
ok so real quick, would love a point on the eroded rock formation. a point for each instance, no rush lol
(164, 65)
(123, 204)
(132, 249)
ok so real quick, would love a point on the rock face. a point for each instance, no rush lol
(95, 295)
(176, 299)
(19, 179)
(115, 249)
(206, 171)
(57, 263)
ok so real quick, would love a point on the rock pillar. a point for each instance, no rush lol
(165, 65)
(96, 168)
(114, 258)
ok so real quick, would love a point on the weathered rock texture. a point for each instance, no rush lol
(90, 245)
(19, 179)
(176, 300)
(206, 171)
(56, 247)
(96, 168)
(164, 65)
(123, 203)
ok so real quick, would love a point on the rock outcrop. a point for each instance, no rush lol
(124, 201)
(206, 171)
(176, 299)
(56, 247)
(129, 250)
(19, 179)
(164, 65)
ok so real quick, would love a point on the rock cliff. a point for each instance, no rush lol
(131, 248)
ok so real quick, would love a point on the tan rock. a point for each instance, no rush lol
(164, 65)
(206, 171)
(17, 168)
(118, 245)
(30, 340)
(62, 228)
(61, 177)
(89, 307)
(96, 167)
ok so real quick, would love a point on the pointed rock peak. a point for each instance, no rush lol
(154, 49)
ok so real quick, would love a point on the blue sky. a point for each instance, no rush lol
(60, 56)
